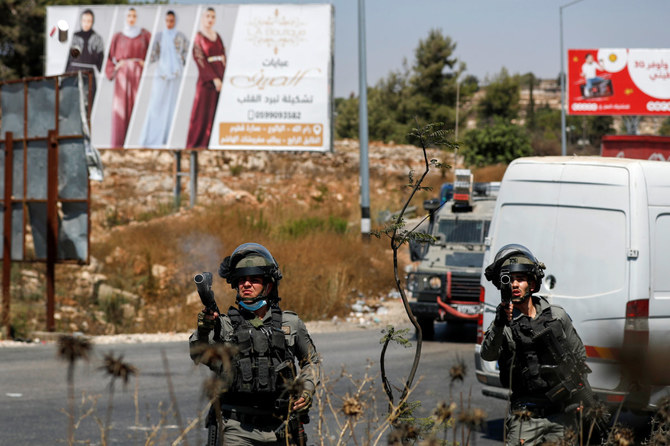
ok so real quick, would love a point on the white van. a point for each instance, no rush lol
(602, 228)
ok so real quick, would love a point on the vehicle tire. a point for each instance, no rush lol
(427, 328)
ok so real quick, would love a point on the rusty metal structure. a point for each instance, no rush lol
(45, 194)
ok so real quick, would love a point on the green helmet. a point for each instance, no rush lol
(250, 259)
(515, 258)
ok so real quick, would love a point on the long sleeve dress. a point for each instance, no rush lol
(91, 54)
(165, 88)
(210, 56)
(126, 77)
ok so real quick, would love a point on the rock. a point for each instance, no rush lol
(107, 293)
(193, 298)
(128, 311)
(158, 270)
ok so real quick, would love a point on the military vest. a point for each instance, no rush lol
(528, 374)
(264, 361)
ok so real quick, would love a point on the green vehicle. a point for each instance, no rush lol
(444, 285)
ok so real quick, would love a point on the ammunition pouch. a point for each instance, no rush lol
(263, 361)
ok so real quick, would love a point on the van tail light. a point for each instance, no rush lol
(480, 318)
(636, 329)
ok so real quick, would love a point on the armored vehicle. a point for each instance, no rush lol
(444, 285)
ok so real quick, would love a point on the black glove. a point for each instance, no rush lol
(206, 323)
(501, 315)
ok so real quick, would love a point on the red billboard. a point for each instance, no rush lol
(619, 81)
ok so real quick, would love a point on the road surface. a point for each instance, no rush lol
(33, 389)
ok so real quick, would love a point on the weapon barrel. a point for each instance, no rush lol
(203, 283)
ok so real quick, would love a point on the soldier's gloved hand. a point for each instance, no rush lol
(502, 318)
(206, 323)
(304, 402)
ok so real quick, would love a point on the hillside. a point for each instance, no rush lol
(303, 206)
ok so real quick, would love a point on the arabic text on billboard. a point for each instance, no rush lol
(201, 76)
(619, 81)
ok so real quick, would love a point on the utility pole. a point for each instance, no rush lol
(560, 16)
(363, 124)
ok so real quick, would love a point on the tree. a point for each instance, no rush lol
(346, 117)
(530, 80)
(500, 142)
(665, 128)
(425, 91)
(22, 34)
(502, 97)
(432, 96)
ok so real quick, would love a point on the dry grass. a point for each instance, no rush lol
(324, 260)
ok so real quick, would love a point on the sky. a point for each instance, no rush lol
(520, 35)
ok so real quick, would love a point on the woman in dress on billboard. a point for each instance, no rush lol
(87, 49)
(169, 49)
(124, 66)
(210, 56)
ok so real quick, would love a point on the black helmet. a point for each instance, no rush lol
(250, 259)
(515, 258)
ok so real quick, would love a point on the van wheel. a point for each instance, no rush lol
(427, 328)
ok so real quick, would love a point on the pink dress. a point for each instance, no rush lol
(210, 56)
(126, 79)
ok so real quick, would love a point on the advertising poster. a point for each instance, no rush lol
(241, 77)
(619, 81)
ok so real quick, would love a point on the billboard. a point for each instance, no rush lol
(619, 81)
(251, 77)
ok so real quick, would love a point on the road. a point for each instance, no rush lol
(33, 389)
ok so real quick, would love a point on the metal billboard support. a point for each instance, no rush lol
(7, 234)
(192, 174)
(52, 226)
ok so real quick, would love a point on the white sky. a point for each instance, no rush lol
(521, 35)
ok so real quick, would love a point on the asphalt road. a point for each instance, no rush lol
(33, 389)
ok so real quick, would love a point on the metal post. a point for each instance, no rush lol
(363, 124)
(194, 176)
(177, 180)
(458, 91)
(563, 143)
(7, 234)
(52, 225)
(560, 16)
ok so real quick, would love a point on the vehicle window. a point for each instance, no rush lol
(464, 231)
(465, 259)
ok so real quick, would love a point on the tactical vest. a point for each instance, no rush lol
(528, 377)
(264, 361)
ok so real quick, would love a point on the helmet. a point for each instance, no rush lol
(250, 259)
(515, 258)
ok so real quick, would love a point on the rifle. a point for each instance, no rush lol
(203, 283)
(570, 373)
(296, 429)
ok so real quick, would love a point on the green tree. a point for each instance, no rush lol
(432, 95)
(426, 92)
(501, 98)
(499, 142)
(346, 117)
(22, 34)
(531, 81)
(665, 128)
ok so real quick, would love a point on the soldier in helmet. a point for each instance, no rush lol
(268, 342)
(533, 341)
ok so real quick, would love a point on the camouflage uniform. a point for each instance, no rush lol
(251, 424)
(532, 420)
